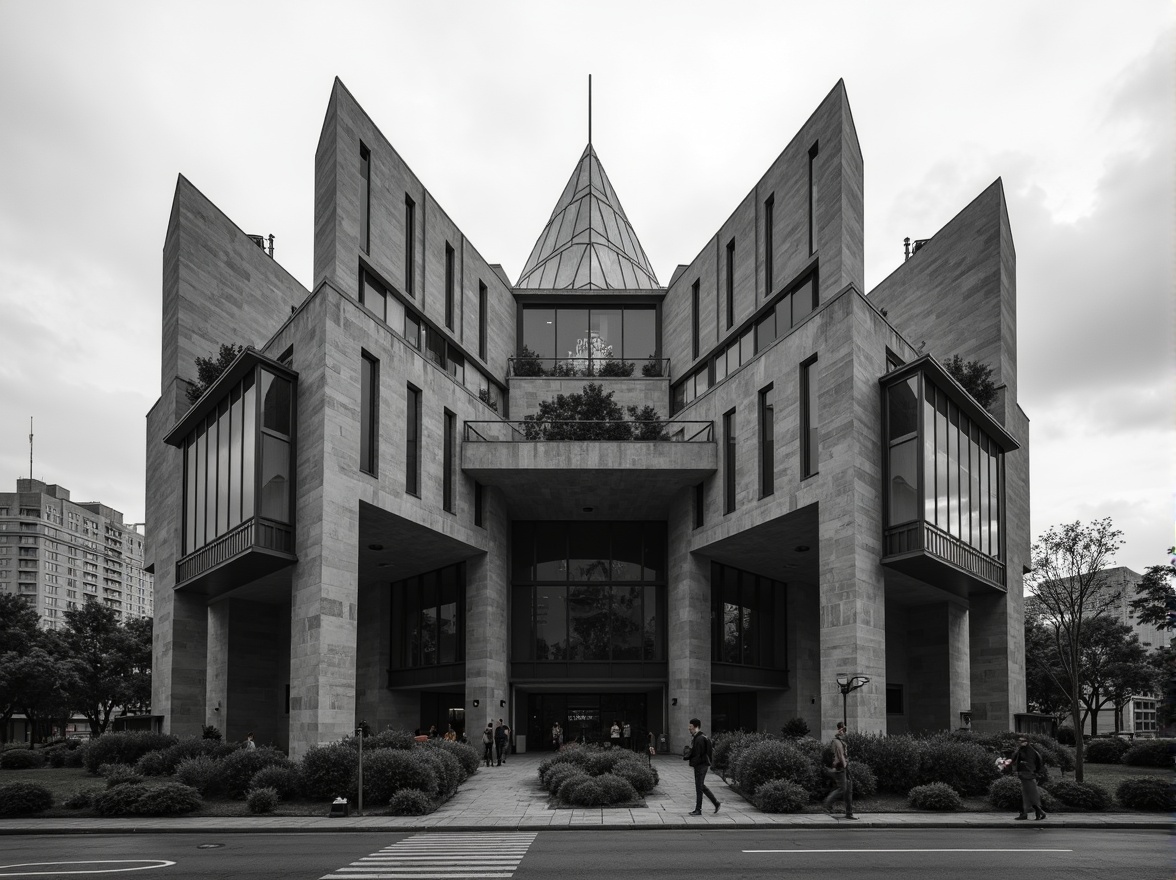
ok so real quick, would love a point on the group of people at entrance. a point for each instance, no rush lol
(620, 735)
(495, 743)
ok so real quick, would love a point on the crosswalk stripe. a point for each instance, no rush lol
(442, 856)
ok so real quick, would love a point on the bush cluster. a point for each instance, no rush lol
(1005, 794)
(24, 799)
(967, 767)
(235, 771)
(123, 747)
(781, 796)
(387, 771)
(937, 796)
(1080, 795)
(409, 802)
(897, 760)
(593, 777)
(328, 772)
(1108, 750)
(21, 759)
(729, 745)
(1151, 753)
(286, 781)
(1146, 793)
(201, 773)
(119, 774)
(169, 799)
(262, 800)
(770, 759)
(80, 799)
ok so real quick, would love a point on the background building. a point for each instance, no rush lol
(57, 553)
(356, 522)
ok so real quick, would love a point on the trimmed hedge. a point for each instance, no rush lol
(21, 759)
(896, 760)
(1146, 793)
(163, 762)
(1106, 751)
(201, 773)
(967, 767)
(284, 780)
(937, 796)
(387, 771)
(169, 799)
(729, 746)
(237, 769)
(781, 796)
(467, 756)
(1005, 794)
(123, 747)
(328, 772)
(616, 789)
(24, 799)
(621, 776)
(409, 802)
(450, 774)
(1080, 795)
(557, 774)
(1150, 753)
(80, 799)
(119, 774)
(763, 761)
(642, 778)
(262, 800)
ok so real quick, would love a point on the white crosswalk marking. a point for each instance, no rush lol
(440, 856)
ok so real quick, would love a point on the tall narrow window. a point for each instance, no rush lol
(767, 426)
(730, 284)
(479, 501)
(812, 200)
(810, 417)
(694, 318)
(448, 452)
(482, 299)
(365, 198)
(769, 242)
(699, 505)
(369, 420)
(412, 443)
(409, 246)
(449, 285)
(729, 462)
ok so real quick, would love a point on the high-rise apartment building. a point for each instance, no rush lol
(358, 520)
(58, 553)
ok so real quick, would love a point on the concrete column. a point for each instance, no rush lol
(688, 629)
(487, 616)
(217, 685)
(959, 658)
(992, 643)
(181, 648)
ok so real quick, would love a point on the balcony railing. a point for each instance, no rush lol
(532, 429)
(649, 368)
(923, 536)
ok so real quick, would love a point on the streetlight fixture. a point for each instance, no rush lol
(847, 683)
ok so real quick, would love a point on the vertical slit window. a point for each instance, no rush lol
(812, 200)
(365, 198)
(412, 437)
(479, 500)
(449, 286)
(409, 246)
(482, 300)
(694, 319)
(369, 420)
(729, 462)
(769, 243)
(730, 284)
(810, 417)
(699, 505)
(767, 426)
(448, 451)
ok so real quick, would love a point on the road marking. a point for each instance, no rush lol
(142, 865)
(840, 851)
(442, 855)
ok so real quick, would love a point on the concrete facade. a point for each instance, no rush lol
(302, 649)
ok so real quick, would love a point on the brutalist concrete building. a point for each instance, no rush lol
(381, 513)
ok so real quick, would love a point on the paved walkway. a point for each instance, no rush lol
(509, 798)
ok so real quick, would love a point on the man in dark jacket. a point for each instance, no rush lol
(501, 738)
(1027, 764)
(841, 775)
(700, 756)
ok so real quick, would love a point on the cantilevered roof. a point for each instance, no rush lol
(588, 244)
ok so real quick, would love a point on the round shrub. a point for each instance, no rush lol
(117, 801)
(328, 772)
(21, 759)
(780, 796)
(409, 802)
(119, 774)
(1145, 793)
(237, 769)
(795, 728)
(153, 764)
(284, 780)
(1150, 753)
(201, 773)
(24, 799)
(1080, 795)
(467, 756)
(728, 747)
(123, 747)
(1106, 751)
(937, 796)
(450, 772)
(638, 775)
(567, 788)
(966, 767)
(896, 760)
(1005, 794)
(56, 756)
(73, 758)
(616, 789)
(589, 792)
(262, 800)
(865, 781)
(558, 773)
(385, 739)
(169, 799)
(80, 799)
(772, 759)
(387, 771)
(1066, 736)
(188, 747)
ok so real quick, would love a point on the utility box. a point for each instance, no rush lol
(340, 809)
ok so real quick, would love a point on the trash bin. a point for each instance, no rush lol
(340, 809)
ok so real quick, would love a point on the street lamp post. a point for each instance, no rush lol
(359, 735)
(849, 683)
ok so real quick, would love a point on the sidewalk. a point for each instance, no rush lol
(508, 798)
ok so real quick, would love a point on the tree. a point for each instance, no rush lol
(976, 378)
(1070, 590)
(591, 415)
(19, 632)
(209, 370)
(44, 684)
(101, 649)
(1155, 601)
(1044, 690)
(1114, 666)
(138, 633)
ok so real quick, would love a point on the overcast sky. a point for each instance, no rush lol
(1071, 103)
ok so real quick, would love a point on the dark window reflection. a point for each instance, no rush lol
(748, 615)
(427, 619)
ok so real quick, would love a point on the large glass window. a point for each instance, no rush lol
(747, 613)
(427, 619)
(593, 593)
(576, 334)
(902, 415)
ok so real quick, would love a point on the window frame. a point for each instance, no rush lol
(369, 394)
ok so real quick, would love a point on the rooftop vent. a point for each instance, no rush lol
(908, 251)
(260, 241)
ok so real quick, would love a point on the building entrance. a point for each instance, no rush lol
(587, 718)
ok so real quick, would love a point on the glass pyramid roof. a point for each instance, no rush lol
(588, 244)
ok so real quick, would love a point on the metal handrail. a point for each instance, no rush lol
(599, 367)
(552, 430)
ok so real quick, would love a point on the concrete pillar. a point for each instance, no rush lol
(959, 659)
(688, 629)
(181, 648)
(804, 654)
(995, 666)
(487, 615)
(217, 685)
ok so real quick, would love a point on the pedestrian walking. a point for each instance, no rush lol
(249, 743)
(627, 734)
(488, 743)
(614, 734)
(501, 739)
(556, 736)
(700, 753)
(1029, 765)
(841, 775)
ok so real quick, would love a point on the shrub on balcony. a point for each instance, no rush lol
(651, 368)
(615, 368)
(528, 364)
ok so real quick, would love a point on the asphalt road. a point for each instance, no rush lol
(982, 854)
